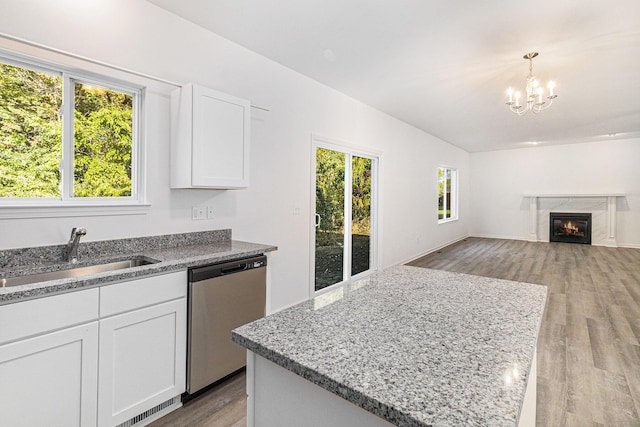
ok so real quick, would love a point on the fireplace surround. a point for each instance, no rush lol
(604, 222)
(571, 227)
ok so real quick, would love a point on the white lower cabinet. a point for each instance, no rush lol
(50, 380)
(143, 346)
(48, 366)
(103, 356)
(142, 361)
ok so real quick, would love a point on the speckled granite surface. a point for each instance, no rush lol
(414, 346)
(172, 252)
(25, 257)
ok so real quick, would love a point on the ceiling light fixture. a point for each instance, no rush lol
(534, 93)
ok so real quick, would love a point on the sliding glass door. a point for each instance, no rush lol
(360, 214)
(345, 209)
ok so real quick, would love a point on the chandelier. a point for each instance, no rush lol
(533, 100)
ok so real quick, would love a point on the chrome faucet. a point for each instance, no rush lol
(74, 241)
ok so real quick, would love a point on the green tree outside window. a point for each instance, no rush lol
(31, 137)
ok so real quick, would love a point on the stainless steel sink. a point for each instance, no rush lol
(75, 272)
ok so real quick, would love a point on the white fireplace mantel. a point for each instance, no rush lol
(611, 212)
(568, 195)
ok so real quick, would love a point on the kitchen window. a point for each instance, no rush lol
(447, 194)
(67, 140)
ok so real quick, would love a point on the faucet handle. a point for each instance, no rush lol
(78, 231)
(74, 241)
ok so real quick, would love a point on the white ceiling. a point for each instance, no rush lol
(444, 65)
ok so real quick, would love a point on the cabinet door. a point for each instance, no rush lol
(142, 360)
(50, 380)
(220, 151)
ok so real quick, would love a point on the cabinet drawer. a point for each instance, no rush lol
(133, 294)
(38, 316)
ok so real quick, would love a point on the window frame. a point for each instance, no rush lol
(350, 150)
(454, 195)
(67, 204)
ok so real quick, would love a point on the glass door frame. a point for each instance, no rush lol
(350, 151)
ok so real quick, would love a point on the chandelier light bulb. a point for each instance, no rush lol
(551, 85)
(533, 90)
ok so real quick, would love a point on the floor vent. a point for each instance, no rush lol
(146, 414)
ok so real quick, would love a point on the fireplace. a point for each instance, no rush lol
(570, 227)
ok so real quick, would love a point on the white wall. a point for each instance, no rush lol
(139, 36)
(500, 178)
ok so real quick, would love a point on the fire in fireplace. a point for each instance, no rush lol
(570, 227)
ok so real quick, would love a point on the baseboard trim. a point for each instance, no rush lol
(429, 251)
(603, 244)
(629, 245)
(495, 236)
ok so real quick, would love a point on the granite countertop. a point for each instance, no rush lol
(414, 346)
(173, 252)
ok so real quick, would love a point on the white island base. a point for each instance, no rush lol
(277, 397)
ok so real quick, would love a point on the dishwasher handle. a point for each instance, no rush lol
(234, 269)
(198, 274)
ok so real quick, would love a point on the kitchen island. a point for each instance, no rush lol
(407, 346)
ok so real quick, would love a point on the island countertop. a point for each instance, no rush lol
(414, 346)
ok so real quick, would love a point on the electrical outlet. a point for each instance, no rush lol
(198, 212)
(210, 213)
(296, 210)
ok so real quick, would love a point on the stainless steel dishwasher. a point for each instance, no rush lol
(221, 298)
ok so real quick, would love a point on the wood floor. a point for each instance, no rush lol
(223, 406)
(589, 344)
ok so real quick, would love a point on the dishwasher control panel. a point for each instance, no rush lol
(258, 264)
(197, 274)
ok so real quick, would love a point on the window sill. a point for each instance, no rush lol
(58, 211)
(444, 221)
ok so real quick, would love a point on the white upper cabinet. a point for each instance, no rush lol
(209, 140)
